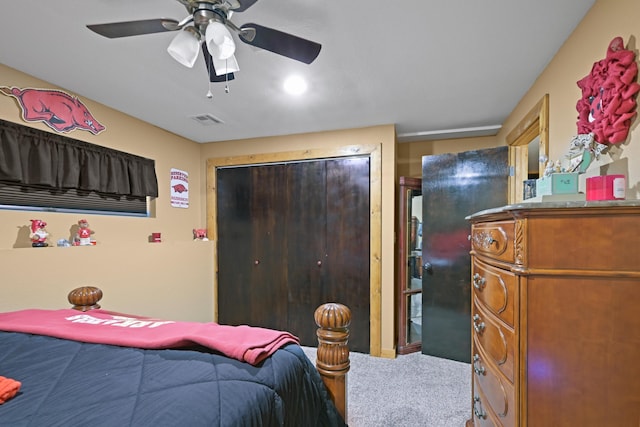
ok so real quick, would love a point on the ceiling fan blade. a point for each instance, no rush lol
(284, 44)
(244, 5)
(134, 28)
(213, 78)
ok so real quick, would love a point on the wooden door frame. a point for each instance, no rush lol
(375, 221)
(534, 124)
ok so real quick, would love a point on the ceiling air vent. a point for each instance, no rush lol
(207, 119)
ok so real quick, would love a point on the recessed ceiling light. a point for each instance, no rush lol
(295, 85)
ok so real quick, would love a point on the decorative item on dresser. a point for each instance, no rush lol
(106, 368)
(556, 335)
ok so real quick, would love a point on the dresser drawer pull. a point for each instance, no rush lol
(480, 413)
(478, 325)
(484, 239)
(477, 367)
(479, 281)
(491, 241)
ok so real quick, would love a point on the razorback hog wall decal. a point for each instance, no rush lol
(58, 110)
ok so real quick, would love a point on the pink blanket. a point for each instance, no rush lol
(245, 343)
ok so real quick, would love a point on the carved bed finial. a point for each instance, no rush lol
(85, 298)
(332, 360)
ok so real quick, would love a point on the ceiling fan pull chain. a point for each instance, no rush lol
(226, 76)
(209, 94)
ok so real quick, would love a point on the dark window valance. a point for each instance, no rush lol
(37, 158)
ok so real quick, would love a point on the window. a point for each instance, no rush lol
(44, 171)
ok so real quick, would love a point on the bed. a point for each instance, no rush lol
(66, 371)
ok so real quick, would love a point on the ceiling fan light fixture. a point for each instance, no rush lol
(219, 40)
(208, 60)
(185, 46)
(225, 66)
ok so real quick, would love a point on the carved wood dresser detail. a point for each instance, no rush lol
(555, 323)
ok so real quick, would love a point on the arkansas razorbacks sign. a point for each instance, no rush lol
(179, 188)
(58, 110)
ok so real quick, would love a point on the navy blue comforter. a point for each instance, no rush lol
(68, 383)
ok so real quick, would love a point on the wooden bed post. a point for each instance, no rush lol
(332, 359)
(85, 298)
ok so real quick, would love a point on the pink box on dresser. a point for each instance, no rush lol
(606, 187)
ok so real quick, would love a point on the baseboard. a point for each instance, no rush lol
(388, 353)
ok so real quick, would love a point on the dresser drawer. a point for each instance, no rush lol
(496, 339)
(494, 240)
(498, 393)
(496, 289)
(483, 415)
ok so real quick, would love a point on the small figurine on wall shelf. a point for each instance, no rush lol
(38, 233)
(200, 234)
(83, 236)
(63, 243)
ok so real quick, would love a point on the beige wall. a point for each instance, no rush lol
(410, 154)
(606, 20)
(123, 263)
(170, 280)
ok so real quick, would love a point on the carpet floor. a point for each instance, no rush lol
(413, 390)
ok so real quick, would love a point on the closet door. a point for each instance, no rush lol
(252, 260)
(346, 277)
(306, 245)
(291, 237)
(328, 244)
(269, 219)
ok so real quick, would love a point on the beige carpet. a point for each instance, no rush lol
(413, 390)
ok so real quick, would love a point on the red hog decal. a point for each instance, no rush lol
(179, 188)
(58, 110)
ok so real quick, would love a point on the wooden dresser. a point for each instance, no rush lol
(556, 315)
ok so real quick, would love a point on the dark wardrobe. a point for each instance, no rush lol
(292, 236)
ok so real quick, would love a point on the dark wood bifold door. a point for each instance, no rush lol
(454, 186)
(292, 236)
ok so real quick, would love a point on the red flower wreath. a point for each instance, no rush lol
(608, 104)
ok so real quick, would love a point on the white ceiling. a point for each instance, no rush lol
(434, 68)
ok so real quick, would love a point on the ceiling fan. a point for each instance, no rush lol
(207, 27)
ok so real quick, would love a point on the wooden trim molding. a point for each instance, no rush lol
(374, 152)
(534, 124)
